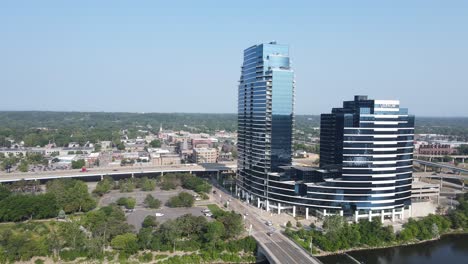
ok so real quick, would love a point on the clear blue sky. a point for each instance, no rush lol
(185, 56)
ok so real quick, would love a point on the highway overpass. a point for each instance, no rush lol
(96, 174)
(441, 166)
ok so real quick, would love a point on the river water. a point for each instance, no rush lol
(450, 249)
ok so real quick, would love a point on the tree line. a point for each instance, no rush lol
(340, 235)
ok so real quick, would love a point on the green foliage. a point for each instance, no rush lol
(146, 184)
(333, 223)
(21, 207)
(155, 143)
(463, 149)
(145, 257)
(106, 223)
(169, 182)
(151, 202)
(24, 166)
(4, 192)
(428, 227)
(104, 186)
(288, 224)
(150, 221)
(194, 183)
(127, 202)
(214, 232)
(78, 164)
(126, 243)
(127, 185)
(183, 199)
(71, 195)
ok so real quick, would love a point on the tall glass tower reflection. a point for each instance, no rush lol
(265, 116)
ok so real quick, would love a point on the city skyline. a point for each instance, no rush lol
(124, 58)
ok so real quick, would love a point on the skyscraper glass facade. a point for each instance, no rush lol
(265, 115)
(366, 147)
(371, 143)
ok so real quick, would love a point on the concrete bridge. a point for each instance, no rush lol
(96, 174)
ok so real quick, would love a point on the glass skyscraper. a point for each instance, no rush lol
(365, 148)
(265, 116)
(370, 143)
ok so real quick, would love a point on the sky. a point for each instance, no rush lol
(185, 56)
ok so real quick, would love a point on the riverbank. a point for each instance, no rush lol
(452, 248)
(327, 253)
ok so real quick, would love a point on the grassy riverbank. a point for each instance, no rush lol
(340, 236)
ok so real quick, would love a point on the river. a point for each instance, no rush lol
(450, 249)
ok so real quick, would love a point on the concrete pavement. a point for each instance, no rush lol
(279, 248)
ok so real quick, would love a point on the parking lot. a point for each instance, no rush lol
(136, 217)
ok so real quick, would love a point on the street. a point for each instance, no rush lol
(281, 248)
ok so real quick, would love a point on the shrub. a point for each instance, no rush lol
(151, 202)
(183, 199)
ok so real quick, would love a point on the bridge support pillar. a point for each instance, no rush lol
(425, 168)
(258, 202)
(133, 175)
(382, 216)
(410, 209)
(324, 212)
(307, 213)
(279, 208)
(341, 212)
(217, 175)
(267, 206)
(356, 216)
(370, 215)
(294, 211)
(393, 215)
(102, 177)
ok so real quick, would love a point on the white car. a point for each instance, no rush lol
(159, 214)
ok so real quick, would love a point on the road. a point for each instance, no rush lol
(280, 248)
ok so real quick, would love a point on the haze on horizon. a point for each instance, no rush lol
(185, 56)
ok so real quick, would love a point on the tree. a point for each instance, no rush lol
(155, 143)
(183, 199)
(107, 222)
(150, 221)
(151, 202)
(333, 223)
(145, 236)
(288, 224)
(78, 164)
(26, 206)
(104, 186)
(127, 243)
(147, 185)
(127, 202)
(120, 146)
(4, 192)
(214, 231)
(71, 195)
(232, 222)
(24, 166)
(435, 230)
